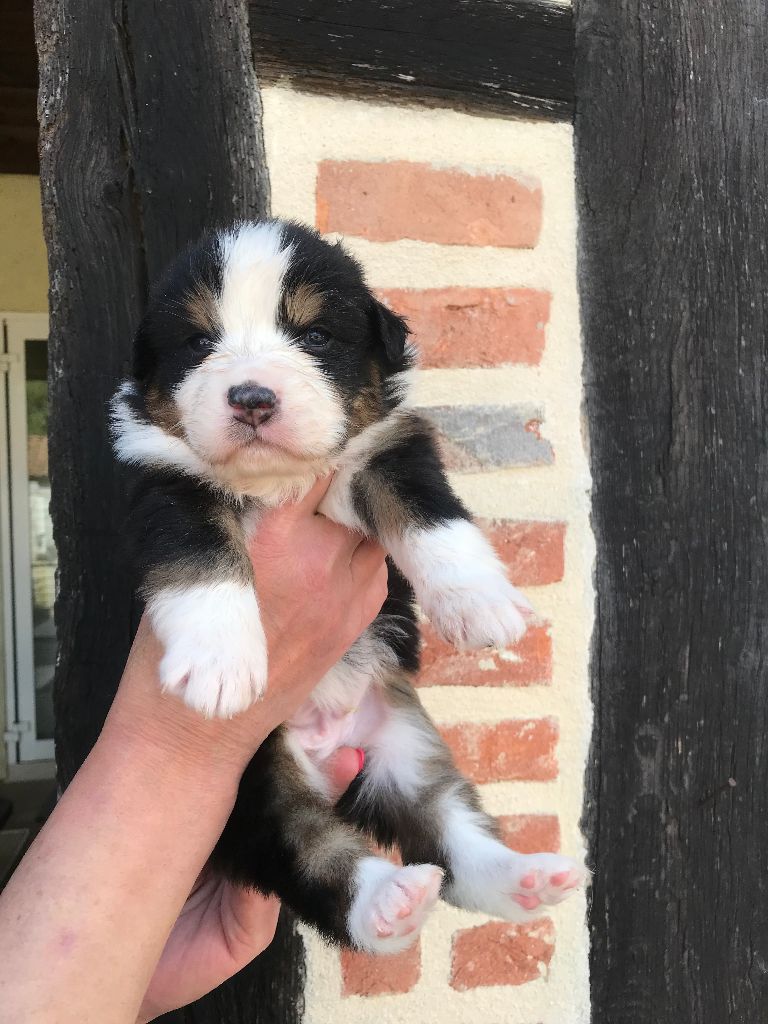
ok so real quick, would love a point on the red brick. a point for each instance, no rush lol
(474, 326)
(391, 200)
(527, 664)
(533, 552)
(531, 833)
(515, 750)
(365, 975)
(501, 954)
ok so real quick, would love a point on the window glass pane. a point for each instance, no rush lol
(42, 551)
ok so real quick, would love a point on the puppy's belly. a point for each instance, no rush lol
(321, 730)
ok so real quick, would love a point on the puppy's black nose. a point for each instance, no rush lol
(252, 403)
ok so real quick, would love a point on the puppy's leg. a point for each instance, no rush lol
(397, 491)
(285, 837)
(197, 581)
(411, 794)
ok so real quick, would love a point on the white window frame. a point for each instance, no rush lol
(18, 646)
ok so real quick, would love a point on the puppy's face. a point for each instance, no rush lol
(264, 347)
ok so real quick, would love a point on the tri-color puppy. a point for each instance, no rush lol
(263, 362)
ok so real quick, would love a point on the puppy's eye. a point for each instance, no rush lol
(316, 339)
(199, 343)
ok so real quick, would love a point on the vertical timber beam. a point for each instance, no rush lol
(150, 131)
(672, 180)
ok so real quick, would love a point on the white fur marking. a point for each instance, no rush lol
(391, 904)
(460, 584)
(489, 877)
(139, 443)
(403, 749)
(255, 261)
(215, 649)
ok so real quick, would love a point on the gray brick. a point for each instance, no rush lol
(477, 437)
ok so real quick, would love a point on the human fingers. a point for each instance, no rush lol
(367, 558)
(308, 505)
(249, 921)
(368, 595)
(282, 521)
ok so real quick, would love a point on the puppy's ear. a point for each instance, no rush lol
(391, 331)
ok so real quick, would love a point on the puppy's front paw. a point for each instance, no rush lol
(484, 610)
(461, 585)
(215, 649)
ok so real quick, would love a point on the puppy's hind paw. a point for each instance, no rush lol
(514, 886)
(544, 879)
(391, 904)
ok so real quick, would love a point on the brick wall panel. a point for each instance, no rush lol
(467, 327)
(390, 200)
(531, 833)
(509, 751)
(501, 954)
(366, 975)
(533, 552)
(529, 663)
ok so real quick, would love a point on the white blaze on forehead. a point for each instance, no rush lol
(254, 263)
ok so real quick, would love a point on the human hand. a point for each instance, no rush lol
(222, 927)
(319, 586)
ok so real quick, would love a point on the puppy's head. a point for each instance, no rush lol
(263, 347)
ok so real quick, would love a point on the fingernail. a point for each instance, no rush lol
(360, 758)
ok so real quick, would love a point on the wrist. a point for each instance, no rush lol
(161, 728)
(170, 739)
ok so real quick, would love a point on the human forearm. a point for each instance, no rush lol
(96, 896)
(85, 917)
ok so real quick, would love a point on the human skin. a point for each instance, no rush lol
(120, 865)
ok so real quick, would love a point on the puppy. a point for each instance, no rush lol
(263, 362)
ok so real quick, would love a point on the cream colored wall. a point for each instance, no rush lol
(23, 265)
(301, 129)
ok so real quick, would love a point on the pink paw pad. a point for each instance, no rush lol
(546, 879)
(401, 902)
(560, 878)
(526, 902)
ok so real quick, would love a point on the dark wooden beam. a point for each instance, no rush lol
(672, 178)
(508, 57)
(500, 56)
(136, 159)
(18, 89)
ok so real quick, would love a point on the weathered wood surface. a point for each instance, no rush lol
(513, 56)
(18, 89)
(502, 56)
(150, 131)
(672, 169)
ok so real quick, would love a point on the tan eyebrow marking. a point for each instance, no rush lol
(202, 308)
(303, 305)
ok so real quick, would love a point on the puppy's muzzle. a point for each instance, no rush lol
(251, 403)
